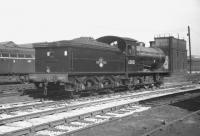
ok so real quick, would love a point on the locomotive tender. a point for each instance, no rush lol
(109, 62)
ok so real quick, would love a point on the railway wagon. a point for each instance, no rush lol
(85, 64)
(16, 62)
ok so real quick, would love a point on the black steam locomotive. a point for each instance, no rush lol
(89, 65)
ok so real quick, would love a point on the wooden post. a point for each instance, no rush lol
(190, 49)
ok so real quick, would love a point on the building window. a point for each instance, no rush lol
(21, 55)
(28, 56)
(65, 53)
(13, 55)
(5, 55)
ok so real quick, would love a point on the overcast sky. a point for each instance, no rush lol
(27, 21)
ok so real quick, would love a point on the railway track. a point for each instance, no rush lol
(9, 107)
(10, 112)
(49, 119)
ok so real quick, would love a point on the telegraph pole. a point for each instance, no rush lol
(190, 49)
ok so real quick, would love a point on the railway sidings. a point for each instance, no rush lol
(72, 118)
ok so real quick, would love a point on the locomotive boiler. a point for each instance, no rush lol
(89, 65)
(139, 57)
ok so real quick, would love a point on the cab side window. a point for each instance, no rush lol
(131, 50)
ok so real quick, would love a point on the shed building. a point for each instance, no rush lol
(175, 50)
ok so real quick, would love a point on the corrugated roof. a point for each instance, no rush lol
(26, 45)
(8, 44)
(11, 46)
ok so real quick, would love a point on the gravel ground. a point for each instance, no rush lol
(14, 89)
(141, 123)
(13, 99)
(187, 127)
(137, 124)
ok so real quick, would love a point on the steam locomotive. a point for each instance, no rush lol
(92, 65)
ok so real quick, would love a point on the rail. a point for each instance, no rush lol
(60, 116)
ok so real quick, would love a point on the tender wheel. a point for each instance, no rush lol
(131, 87)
